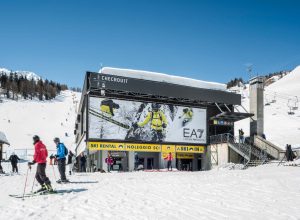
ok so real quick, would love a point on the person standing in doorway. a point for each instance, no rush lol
(169, 159)
(40, 157)
(82, 163)
(136, 160)
(109, 161)
(14, 162)
(61, 159)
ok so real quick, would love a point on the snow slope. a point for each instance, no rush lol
(265, 192)
(280, 127)
(22, 119)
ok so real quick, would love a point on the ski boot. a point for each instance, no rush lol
(42, 189)
(49, 188)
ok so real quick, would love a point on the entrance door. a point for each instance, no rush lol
(150, 162)
(187, 164)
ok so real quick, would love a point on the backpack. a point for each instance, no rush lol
(160, 117)
(66, 151)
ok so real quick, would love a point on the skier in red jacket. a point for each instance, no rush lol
(40, 157)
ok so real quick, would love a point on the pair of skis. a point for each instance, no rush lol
(106, 118)
(41, 193)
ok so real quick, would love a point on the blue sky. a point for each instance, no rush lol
(207, 40)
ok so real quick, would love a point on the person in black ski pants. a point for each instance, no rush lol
(82, 163)
(70, 162)
(61, 158)
(14, 162)
(40, 157)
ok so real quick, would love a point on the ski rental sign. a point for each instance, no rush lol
(114, 120)
(165, 149)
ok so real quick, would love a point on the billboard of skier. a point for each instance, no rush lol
(125, 120)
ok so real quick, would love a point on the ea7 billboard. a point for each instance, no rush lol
(124, 120)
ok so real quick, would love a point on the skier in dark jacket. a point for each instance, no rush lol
(14, 162)
(40, 157)
(290, 156)
(70, 162)
(61, 158)
(82, 163)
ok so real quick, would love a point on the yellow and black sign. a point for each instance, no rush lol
(190, 149)
(165, 148)
(168, 148)
(143, 147)
(106, 146)
(184, 156)
(124, 147)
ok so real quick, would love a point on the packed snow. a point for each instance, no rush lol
(264, 192)
(21, 120)
(161, 77)
(280, 127)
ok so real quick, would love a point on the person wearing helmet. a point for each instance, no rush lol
(107, 106)
(187, 116)
(61, 159)
(158, 122)
(40, 157)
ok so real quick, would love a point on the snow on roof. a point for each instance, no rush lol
(3, 138)
(161, 77)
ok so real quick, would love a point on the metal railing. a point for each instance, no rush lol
(244, 148)
(267, 146)
(241, 148)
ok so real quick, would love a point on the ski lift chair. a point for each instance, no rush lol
(295, 107)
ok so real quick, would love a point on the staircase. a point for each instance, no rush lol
(271, 149)
(252, 155)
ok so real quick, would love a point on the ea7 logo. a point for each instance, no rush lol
(192, 133)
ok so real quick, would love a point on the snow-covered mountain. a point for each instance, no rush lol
(281, 110)
(22, 119)
(29, 75)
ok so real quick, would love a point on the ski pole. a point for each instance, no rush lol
(54, 172)
(25, 183)
(32, 185)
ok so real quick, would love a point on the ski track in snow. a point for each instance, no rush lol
(265, 192)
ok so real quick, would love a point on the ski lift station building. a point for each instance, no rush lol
(140, 117)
